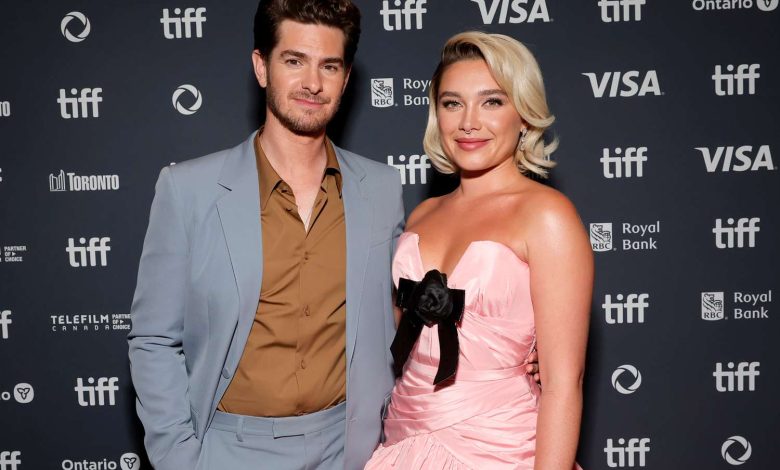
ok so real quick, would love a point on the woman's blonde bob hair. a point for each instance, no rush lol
(515, 70)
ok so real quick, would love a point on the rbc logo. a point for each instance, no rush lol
(624, 84)
(611, 10)
(10, 459)
(633, 372)
(623, 163)
(734, 380)
(744, 226)
(75, 15)
(407, 17)
(77, 255)
(623, 312)
(194, 107)
(80, 101)
(712, 307)
(601, 236)
(5, 320)
(382, 92)
(538, 11)
(95, 395)
(191, 15)
(725, 158)
(736, 444)
(745, 73)
(633, 454)
(417, 163)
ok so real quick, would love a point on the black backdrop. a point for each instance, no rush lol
(667, 114)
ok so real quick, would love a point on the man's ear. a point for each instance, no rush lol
(260, 68)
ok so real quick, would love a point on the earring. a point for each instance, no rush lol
(522, 138)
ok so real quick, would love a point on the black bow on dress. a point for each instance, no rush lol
(429, 302)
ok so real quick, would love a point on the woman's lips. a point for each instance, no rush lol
(470, 143)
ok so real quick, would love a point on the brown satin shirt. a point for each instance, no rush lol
(294, 361)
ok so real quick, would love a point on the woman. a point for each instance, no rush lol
(520, 274)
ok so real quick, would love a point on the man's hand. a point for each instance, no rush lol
(532, 367)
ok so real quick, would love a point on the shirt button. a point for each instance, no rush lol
(303, 364)
(306, 311)
(306, 256)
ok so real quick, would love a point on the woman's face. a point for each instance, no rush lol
(479, 125)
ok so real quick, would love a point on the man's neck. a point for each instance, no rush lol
(292, 154)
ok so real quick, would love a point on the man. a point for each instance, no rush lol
(262, 316)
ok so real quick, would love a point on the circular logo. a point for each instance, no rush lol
(767, 5)
(24, 393)
(633, 372)
(728, 449)
(129, 461)
(75, 15)
(192, 109)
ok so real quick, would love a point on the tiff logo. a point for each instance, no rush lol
(95, 395)
(725, 379)
(624, 164)
(417, 164)
(80, 101)
(5, 320)
(633, 454)
(611, 10)
(741, 158)
(407, 17)
(624, 84)
(191, 15)
(10, 459)
(745, 73)
(77, 255)
(744, 226)
(623, 312)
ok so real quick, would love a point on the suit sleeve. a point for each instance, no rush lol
(398, 214)
(155, 341)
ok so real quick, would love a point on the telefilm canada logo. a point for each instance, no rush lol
(744, 305)
(627, 453)
(415, 92)
(70, 181)
(513, 11)
(22, 393)
(13, 253)
(737, 158)
(127, 461)
(413, 168)
(75, 26)
(626, 379)
(728, 5)
(736, 450)
(634, 237)
(90, 323)
(187, 99)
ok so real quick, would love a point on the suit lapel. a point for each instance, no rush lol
(239, 213)
(358, 218)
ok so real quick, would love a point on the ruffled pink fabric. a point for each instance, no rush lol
(486, 418)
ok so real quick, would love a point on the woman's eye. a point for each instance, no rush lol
(494, 102)
(449, 104)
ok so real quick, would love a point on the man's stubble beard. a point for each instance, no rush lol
(314, 125)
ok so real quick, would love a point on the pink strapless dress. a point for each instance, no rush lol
(486, 418)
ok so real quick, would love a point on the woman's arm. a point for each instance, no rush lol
(561, 266)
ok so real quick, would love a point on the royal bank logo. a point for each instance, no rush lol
(84, 103)
(10, 459)
(5, 323)
(729, 5)
(626, 379)
(22, 393)
(90, 322)
(13, 253)
(83, 28)
(627, 453)
(413, 168)
(402, 15)
(742, 158)
(88, 254)
(628, 308)
(127, 461)
(621, 10)
(601, 236)
(737, 80)
(180, 25)
(624, 84)
(382, 92)
(736, 450)
(736, 233)
(74, 182)
(5, 109)
(712, 307)
(736, 377)
(96, 392)
(513, 11)
(195, 99)
(623, 163)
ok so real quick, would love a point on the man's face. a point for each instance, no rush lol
(304, 76)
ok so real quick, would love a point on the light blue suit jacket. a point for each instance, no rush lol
(199, 284)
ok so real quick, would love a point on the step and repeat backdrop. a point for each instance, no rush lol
(667, 115)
